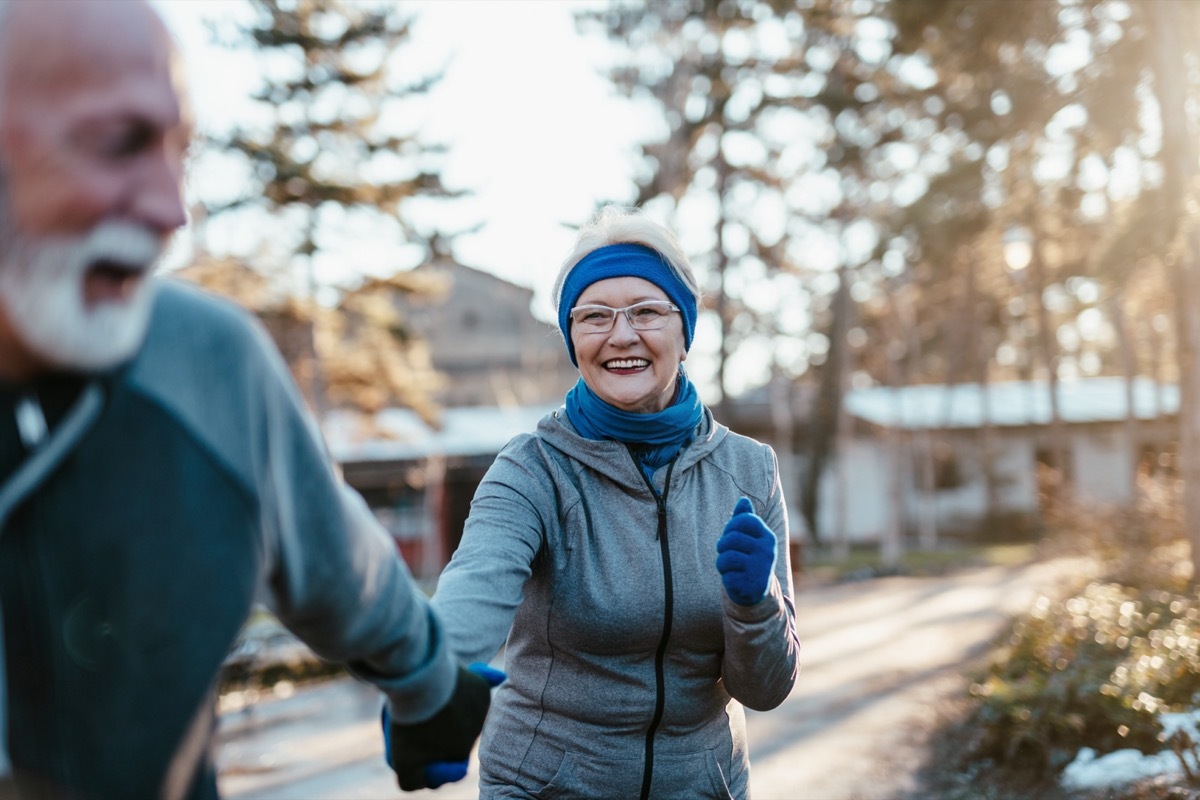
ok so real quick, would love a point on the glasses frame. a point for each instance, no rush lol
(627, 311)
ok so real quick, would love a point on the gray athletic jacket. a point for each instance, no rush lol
(628, 666)
(135, 537)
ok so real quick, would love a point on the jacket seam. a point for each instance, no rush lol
(224, 465)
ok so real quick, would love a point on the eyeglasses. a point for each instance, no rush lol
(649, 315)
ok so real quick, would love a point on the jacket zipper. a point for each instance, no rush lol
(668, 611)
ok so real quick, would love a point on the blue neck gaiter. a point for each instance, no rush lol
(657, 437)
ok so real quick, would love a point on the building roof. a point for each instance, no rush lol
(399, 434)
(1016, 403)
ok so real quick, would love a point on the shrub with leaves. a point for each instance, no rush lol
(1094, 670)
(1162, 669)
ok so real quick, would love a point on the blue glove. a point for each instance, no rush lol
(746, 555)
(450, 733)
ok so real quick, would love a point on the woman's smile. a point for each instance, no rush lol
(627, 365)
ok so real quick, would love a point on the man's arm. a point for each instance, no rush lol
(331, 573)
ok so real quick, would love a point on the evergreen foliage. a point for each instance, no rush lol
(333, 153)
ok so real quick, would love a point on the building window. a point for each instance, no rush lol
(947, 469)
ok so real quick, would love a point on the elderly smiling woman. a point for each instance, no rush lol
(632, 550)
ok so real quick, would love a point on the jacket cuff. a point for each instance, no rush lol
(765, 609)
(421, 693)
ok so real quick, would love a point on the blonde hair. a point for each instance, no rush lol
(614, 224)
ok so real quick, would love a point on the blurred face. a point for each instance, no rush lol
(93, 135)
(629, 369)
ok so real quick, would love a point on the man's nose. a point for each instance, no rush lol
(158, 194)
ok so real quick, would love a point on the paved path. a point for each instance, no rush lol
(879, 658)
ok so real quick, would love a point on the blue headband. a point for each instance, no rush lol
(624, 261)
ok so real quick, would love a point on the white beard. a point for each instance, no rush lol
(42, 285)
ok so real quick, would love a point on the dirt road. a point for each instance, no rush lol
(880, 657)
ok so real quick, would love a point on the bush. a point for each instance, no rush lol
(1097, 668)
(1093, 670)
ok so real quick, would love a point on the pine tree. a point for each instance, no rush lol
(335, 155)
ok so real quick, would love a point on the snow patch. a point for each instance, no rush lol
(1125, 766)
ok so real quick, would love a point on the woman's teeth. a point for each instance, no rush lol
(627, 363)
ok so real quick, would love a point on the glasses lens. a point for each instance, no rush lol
(593, 318)
(650, 315)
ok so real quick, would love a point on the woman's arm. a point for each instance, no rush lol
(479, 590)
(762, 649)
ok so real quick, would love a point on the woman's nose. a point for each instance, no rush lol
(622, 330)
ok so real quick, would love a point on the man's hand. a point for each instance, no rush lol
(425, 755)
(746, 555)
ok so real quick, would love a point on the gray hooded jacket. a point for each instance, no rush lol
(628, 666)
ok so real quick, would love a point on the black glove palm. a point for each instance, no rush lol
(447, 736)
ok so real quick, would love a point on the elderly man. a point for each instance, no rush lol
(157, 470)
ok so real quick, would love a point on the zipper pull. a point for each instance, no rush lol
(31, 422)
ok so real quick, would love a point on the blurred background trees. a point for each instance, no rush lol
(873, 192)
(1002, 190)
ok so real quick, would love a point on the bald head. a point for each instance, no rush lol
(85, 89)
(51, 47)
(93, 133)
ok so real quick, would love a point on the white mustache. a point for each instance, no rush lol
(126, 244)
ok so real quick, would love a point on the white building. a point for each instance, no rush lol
(906, 439)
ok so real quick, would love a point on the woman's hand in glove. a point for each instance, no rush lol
(746, 555)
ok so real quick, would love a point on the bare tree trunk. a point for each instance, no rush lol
(1129, 369)
(972, 349)
(892, 543)
(841, 515)
(1047, 344)
(316, 375)
(987, 447)
(841, 448)
(891, 547)
(1155, 339)
(906, 446)
(1189, 395)
(825, 427)
(982, 355)
(1179, 175)
(783, 423)
(927, 523)
(922, 448)
(722, 300)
